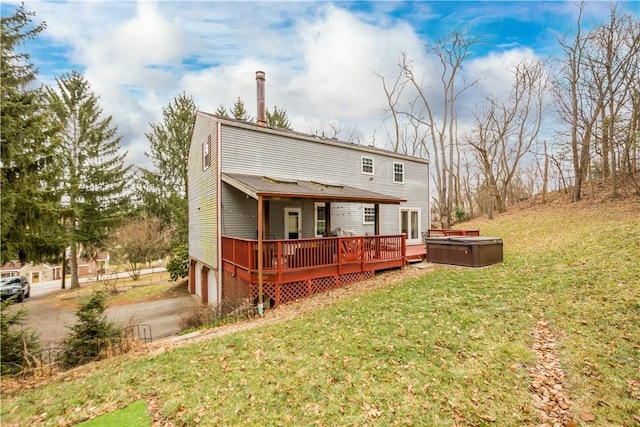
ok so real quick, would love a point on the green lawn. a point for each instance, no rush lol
(448, 348)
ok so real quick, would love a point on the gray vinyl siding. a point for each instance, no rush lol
(239, 214)
(249, 151)
(202, 195)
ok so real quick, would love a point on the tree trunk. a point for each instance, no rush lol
(73, 263)
(490, 205)
(545, 174)
(64, 271)
(606, 146)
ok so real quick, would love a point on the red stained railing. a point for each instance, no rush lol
(305, 257)
(444, 233)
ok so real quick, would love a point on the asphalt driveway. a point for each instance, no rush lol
(52, 322)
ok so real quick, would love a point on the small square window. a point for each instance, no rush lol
(206, 153)
(369, 215)
(367, 165)
(398, 173)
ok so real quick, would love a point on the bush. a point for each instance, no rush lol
(460, 214)
(92, 335)
(178, 265)
(17, 343)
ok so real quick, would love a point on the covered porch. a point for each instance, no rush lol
(273, 271)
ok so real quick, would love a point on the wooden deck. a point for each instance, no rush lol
(416, 253)
(297, 268)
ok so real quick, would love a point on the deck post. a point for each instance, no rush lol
(260, 261)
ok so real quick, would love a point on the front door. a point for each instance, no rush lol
(292, 223)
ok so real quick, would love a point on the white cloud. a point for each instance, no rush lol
(319, 58)
(329, 77)
(494, 72)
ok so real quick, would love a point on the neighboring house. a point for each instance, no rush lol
(33, 272)
(276, 215)
(99, 264)
(36, 273)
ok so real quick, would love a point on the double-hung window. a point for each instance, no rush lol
(368, 215)
(367, 165)
(398, 173)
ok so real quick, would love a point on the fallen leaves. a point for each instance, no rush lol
(548, 380)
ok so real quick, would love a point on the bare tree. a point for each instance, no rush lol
(613, 61)
(393, 94)
(439, 116)
(336, 130)
(576, 103)
(632, 148)
(505, 131)
(139, 241)
(595, 89)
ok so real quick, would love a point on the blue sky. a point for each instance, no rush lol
(320, 58)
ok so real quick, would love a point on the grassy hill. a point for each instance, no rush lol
(453, 346)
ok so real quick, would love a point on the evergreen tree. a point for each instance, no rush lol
(278, 118)
(164, 190)
(239, 112)
(94, 175)
(29, 199)
(221, 111)
(91, 335)
(18, 344)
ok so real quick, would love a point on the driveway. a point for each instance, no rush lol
(52, 323)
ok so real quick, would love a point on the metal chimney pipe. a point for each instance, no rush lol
(260, 86)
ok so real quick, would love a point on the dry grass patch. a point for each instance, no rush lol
(150, 287)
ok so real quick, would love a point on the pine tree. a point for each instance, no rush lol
(29, 197)
(239, 112)
(94, 176)
(221, 111)
(91, 335)
(278, 118)
(19, 344)
(164, 190)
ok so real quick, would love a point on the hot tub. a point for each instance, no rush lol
(465, 251)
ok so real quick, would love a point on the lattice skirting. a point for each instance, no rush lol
(236, 291)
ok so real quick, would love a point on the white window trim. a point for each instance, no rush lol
(394, 172)
(298, 211)
(206, 150)
(373, 168)
(418, 238)
(315, 216)
(364, 215)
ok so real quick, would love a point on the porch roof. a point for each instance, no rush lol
(287, 188)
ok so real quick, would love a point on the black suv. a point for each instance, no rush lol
(17, 288)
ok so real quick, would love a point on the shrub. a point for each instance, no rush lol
(178, 265)
(18, 344)
(460, 214)
(92, 335)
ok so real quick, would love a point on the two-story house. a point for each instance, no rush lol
(277, 215)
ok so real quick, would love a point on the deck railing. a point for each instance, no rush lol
(283, 258)
(435, 232)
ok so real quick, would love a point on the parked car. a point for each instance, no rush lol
(17, 288)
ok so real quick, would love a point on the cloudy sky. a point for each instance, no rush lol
(321, 59)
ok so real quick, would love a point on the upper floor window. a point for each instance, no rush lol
(206, 153)
(398, 173)
(368, 215)
(367, 165)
